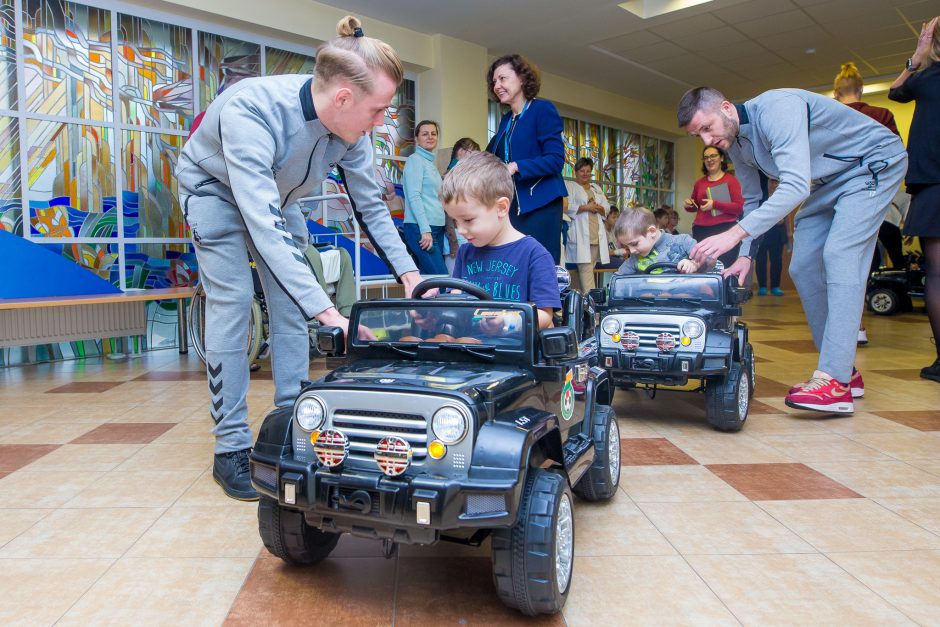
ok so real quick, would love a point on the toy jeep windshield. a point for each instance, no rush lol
(661, 330)
(454, 418)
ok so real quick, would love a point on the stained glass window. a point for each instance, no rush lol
(277, 61)
(150, 194)
(67, 64)
(7, 55)
(395, 136)
(155, 70)
(153, 266)
(71, 180)
(11, 215)
(223, 61)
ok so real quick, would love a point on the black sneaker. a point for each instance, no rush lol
(230, 471)
(931, 372)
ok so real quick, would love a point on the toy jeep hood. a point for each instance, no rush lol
(486, 379)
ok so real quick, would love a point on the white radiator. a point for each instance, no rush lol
(44, 325)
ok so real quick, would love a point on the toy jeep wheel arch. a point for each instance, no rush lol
(286, 534)
(533, 560)
(727, 399)
(601, 480)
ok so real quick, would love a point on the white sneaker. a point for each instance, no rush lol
(862, 337)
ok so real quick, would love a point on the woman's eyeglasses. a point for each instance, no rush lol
(710, 157)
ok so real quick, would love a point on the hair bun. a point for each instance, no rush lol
(848, 68)
(349, 26)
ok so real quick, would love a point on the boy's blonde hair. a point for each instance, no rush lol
(480, 176)
(352, 56)
(634, 221)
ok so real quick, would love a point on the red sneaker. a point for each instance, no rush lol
(819, 394)
(856, 384)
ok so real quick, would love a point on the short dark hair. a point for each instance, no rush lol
(583, 161)
(695, 100)
(528, 73)
(659, 213)
(426, 123)
(721, 153)
(481, 177)
(467, 144)
(633, 221)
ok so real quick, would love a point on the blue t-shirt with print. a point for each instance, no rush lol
(520, 271)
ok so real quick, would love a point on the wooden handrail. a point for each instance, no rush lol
(168, 293)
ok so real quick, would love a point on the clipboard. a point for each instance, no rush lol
(718, 193)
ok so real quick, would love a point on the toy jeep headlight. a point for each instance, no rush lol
(310, 412)
(693, 328)
(610, 326)
(450, 424)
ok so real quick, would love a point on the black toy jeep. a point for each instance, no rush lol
(892, 291)
(457, 420)
(664, 329)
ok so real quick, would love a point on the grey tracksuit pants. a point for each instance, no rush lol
(833, 241)
(222, 248)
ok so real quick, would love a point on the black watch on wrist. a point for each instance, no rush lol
(909, 65)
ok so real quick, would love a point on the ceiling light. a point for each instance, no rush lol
(647, 9)
(811, 51)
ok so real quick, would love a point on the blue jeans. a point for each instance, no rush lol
(429, 261)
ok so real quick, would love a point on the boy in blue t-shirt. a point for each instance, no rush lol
(511, 266)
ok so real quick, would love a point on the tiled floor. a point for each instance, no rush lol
(109, 515)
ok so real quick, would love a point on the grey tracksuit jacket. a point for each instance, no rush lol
(803, 140)
(261, 159)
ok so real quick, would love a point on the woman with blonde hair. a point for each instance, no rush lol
(263, 144)
(920, 82)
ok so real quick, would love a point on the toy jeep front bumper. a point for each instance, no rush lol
(407, 509)
(653, 367)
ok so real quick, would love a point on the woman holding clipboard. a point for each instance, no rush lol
(716, 200)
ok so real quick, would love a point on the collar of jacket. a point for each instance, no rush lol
(742, 114)
(427, 154)
(306, 101)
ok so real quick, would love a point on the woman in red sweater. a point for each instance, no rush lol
(716, 200)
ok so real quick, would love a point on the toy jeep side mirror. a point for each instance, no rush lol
(331, 341)
(599, 294)
(737, 294)
(559, 343)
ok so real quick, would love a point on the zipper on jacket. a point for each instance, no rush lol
(309, 166)
(846, 158)
(205, 182)
(532, 189)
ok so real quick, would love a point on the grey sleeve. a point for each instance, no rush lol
(248, 148)
(628, 266)
(357, 168)
(784, 122)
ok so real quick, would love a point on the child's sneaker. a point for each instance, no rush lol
(821, 394)
(762, 291)
(856, 385)
(862, 337)
(777, 291)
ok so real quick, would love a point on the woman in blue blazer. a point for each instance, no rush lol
(529, 141)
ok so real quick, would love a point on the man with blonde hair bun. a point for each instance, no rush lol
(263, 144)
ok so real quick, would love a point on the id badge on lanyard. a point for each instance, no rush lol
(507, 154)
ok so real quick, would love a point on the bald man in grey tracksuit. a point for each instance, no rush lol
(845, 169)
(260, 148)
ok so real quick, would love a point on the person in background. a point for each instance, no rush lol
(587, 235)
(716, 200)
(673, 220)
(920, 82)
(529, 140)
(847, 89)
(771, 249)
(424, 216)
(462, 147)
(663, 219)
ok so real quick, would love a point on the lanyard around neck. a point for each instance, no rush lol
(512, 126)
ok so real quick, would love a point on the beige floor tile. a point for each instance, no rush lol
(883, 478)
(188, 433)
(65, 533)
(616, 527)
(164, 591)
(641, 590)
(175, 411)
(631, 428)
(916, 445)
(47, 489)
(85, 457)
(863, 422)
(924, 512)
(758, 425)
(669, 484)
(843, 525)
(722, 528)
(13, 522)
(909, 580)
(170, 456)
(824, 447)
(202, 532)
(154, 488)
(728, 448)
(929, 465)
(792, 590)
(39, 591)
(204, 492)
(50, 431)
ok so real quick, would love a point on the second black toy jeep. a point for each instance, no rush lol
(664, 329)
(892, 291)
(456, 420)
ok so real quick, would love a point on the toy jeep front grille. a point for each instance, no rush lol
(649, 332)
(365, 428)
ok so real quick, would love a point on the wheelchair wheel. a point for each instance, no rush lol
(197, 326)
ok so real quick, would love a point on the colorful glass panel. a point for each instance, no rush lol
(67, 60)
(395, 136)
(71, 180)
(153, 266)
(277, 61)
(630, 158)
(389, 173)
(223, 61)
(572, 138)
(150, 196)
(7, 55)
(11, 197)
(155, 68)
(99, 258)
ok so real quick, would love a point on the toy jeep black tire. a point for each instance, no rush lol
(884, 301)
(287, 535)
(533, 560)
(601, 479)
(727, 399)
(751, 369)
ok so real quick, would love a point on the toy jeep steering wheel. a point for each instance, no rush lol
(454, 284)
(665, 265)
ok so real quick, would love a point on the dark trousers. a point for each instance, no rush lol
(544, 224)
(890, 237)
(700, 232)
(429, 261)
(771, 248)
